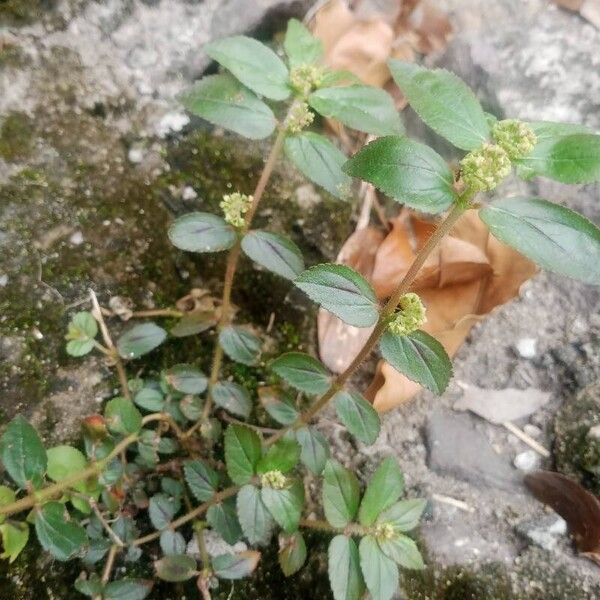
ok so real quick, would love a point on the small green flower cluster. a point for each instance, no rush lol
(305, 78)
(410, 317)
(273, 479)
(234, 207)
(299, 118)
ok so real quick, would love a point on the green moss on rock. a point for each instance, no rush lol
(16, 137)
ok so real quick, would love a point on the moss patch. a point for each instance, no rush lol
(16, 137)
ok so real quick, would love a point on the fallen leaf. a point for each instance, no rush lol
(499, 406)
(578, 507)
(588, 9)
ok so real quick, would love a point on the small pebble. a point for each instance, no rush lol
(526, 347)
(527, 461)
(3, 280)
(594, 432)
(135, 155)
(189, 193)
(76, 239)
(532, 430)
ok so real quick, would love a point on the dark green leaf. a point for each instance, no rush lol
(444, 102)
(235, 566)
(128, 589)
(403, 515)
(320, 161)
(360, 107)
(301, 47)
(341, 494)
(420, 357)
(279, 406)
(96, 551)
(358, 415)
(385, 487)
(140, 340)
(379, 571)
(292, 553)
(150, 399)
(225, 102)
(285, 505)
(223, 519)
(22, 452)
(191, 407)
(162, 509)
(186, 379)
(302, 372)
(194, 322)
(408, 171)
(255, 65)
(282, 456)
(345, 576)
(122, 416)
(240, 345)
(172, 487)
(315, 449)
(14, 538)
(403, 551)
(274, 252)
(83, 328)
(89, 587)
(553, 236)
(201, 479)
(342, 291)
(57, 535)
(242, 453)
(201, 232)
(232, 397)
(175, 568)
(255, 520)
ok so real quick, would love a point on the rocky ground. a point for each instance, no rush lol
(95, 156)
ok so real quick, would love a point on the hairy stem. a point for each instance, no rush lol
(109, 566)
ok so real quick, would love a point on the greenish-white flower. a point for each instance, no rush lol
(483, 169)
(305, 78)
(299, 118)
(384, 531)
(273, 479)
(234, 207)
(516, 138)
(410, 317)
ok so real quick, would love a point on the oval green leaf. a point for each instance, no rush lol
(358, 415)
(404, 515)
(345, 576)
(58, 535)
(292, 553)
(379, 571)
(384, 488)
(281, 456)
(302, 372)
(274, 252)
(186, 379)
(122, 416)
(201, 479)
(223, 519)
(232, 397)
(235, 566)
(403, 551)
(179, 567)
(256, 521)
(301, 47)
(315, 449)
(201, 232)
(341, 494)
(285, 505)
(240, 345)
(140, 340)
(242, 453)
(128, 589)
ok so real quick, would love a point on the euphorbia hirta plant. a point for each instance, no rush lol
(181, 453)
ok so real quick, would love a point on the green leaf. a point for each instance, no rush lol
(379, 571)
(233, 398)
(201, 479)
(408, 171)
(150, 399)
(403, 551)
(122, 416)
(274, 252)
(172, 542)
(191, 407)
(186, 379)
(60, 537)
(255, 65)
(242, 453)
(22, 452)
(175, 568)
(64, 461)
(342, 291)
(301, 47)
(302, 372)
(83, 328)
(282, 456)
(281, 410)
(292, 553)
(128, 589)
(553, 236)
(225, 102)
(90, 587)
(360, 107)
(385, 487)
(345, 576)
(403, 515)
(256, 521)
(14, 539)
(341, 494)
(285, 505)
(140, 340)
(315, 449)
(358, 415)
(235, 566)
(240, 345)
(420, 357)
(162, 509)
(193, 323)
(201, 232)
(222, 518)
(7, 496)
(444, 102)
(320, 161)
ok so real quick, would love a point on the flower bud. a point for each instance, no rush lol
(410, 317)
(384, 531)
(299, 118)
(516, 138)
(234, 207)
(273, 479)
(305, 78)
(483, 169)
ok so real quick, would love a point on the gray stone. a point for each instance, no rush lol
(457, 448)
(544, 532)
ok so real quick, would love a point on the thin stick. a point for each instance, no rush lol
(453, 502)
(527, 439)
(108, 567)
(113, 536)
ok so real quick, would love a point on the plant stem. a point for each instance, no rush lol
(388, 310)
(56, 489)
(108, 567)
(231, 267)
